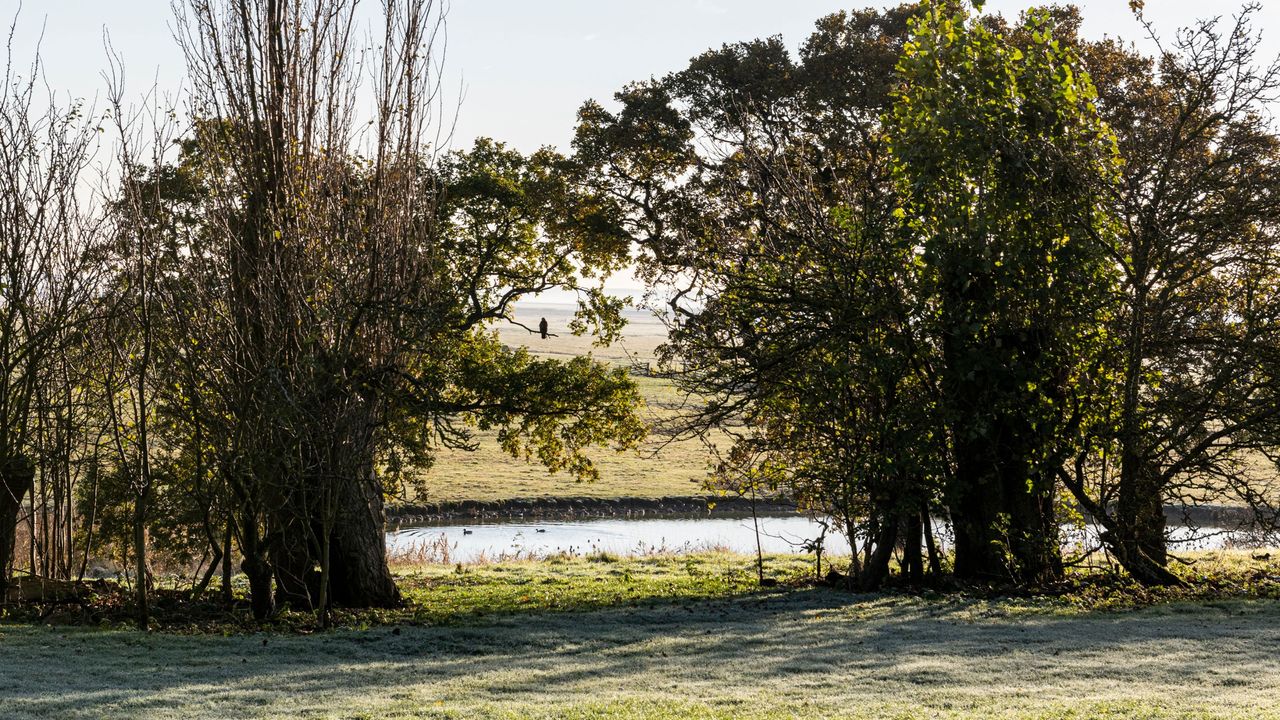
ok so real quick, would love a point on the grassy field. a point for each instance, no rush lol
(677, 470)
(670, 638)
(656, 470)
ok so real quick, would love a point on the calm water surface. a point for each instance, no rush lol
(467, 543)
(786, 534)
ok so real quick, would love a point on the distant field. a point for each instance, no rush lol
(641, 337)
(668, 638)
(678, 469)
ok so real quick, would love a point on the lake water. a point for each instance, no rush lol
(785, 534)
(468, 543)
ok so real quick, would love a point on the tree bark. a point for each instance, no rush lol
(257, 566)
(876, 570)
(215, 548)
(1033, 529)
(974, 501)
(225, 591)
(1001, 501)
(935, 562)
(1139, 541)
(360, 576)
(17, 478)
(140, 560)
(294, 554)
(297, 582)
(912, 556)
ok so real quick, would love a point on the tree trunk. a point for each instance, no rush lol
(294, 554)
(876, 570)
(1001, 502)
(206, 578)
(326, 567)
(912, 558)
(257, 566)
(258, 570)
(1139, 541)
(1034, 541)
(935, 562)
(1137, 535)
(973, 493)
(1003, 516)
(360, 577)
(1142, 567)
(974, 501)
(227, 596)
(17, 478)
(855, 567)
(140, 559)
(215, 547)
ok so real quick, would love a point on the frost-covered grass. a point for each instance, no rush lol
(670, 638)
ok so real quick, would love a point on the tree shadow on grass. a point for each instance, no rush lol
(817, 645)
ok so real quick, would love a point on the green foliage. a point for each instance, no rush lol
(1004, 166)
(507, 227)
(756, 188)
(548, 410)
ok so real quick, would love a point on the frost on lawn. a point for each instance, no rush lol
(806, 652)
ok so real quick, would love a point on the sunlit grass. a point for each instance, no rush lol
(442, 595)
(656, 469)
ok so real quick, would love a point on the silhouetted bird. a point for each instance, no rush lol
(466, 531)
(542, 328)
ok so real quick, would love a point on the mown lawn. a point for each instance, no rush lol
(670, 638)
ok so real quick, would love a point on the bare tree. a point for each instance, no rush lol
(46, 269)
(140, 240)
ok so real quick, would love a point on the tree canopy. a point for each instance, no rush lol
(948, 282)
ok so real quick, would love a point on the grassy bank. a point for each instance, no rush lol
(441, 595)
(672, 638)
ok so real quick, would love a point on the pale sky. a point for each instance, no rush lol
(525, 65)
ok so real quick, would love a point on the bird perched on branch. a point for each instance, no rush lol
(542, 328)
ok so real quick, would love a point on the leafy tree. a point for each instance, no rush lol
(758, 189)
(1198, 201)
(418, 370)
(1004, 166)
